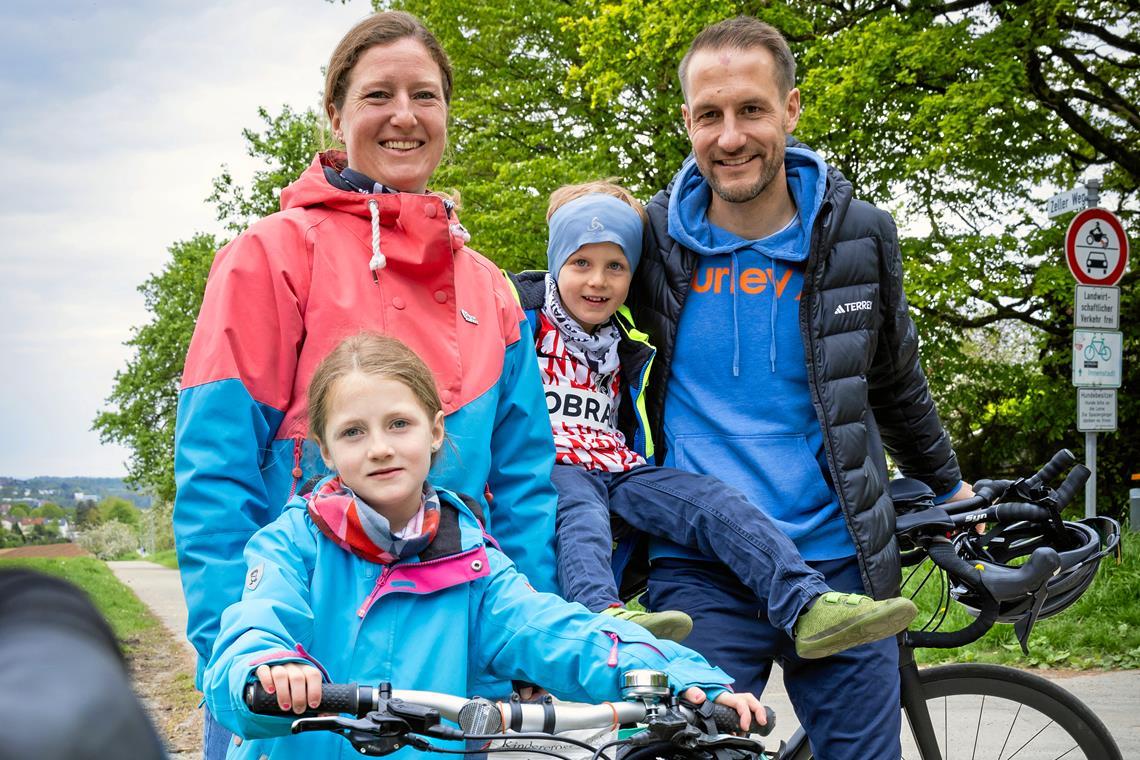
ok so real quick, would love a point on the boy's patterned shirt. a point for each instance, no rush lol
(582, 407)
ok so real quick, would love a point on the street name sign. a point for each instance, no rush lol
(1097, 307)
(1096, 247)
(1096, 358)
(1070, 200)
(1096, 410)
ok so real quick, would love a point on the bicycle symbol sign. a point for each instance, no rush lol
(1096, 358)
(1096, 247)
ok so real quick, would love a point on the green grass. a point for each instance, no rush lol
(127, 615)
(1102, 630)
(168, 558)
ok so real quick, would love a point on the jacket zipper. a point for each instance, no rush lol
(375, 591)
(367, 605)
(297, 473)
(612, 661)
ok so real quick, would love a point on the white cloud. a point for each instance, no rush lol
(116, 118)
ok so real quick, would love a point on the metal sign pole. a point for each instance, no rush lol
(1090, 484)
(1093, 201)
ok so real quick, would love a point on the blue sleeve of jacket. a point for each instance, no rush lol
(221, 500)
(522, 454)
(530, 636)
(273, 619)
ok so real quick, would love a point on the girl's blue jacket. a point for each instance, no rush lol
(435, 622)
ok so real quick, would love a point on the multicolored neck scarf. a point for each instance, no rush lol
(360, 529)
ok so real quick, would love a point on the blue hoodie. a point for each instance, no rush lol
(738, 406)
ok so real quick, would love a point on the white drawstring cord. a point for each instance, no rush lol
(378, 260)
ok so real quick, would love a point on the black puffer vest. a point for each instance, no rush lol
(863, 368)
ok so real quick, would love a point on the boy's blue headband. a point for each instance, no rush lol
(593, 218)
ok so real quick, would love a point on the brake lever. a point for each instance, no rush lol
(729, 741)
(374, 735)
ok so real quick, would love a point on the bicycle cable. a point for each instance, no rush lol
(428, 747)
(600, 751)
(535, 737)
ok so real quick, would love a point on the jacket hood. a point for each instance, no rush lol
(437, 229)
(689, 202)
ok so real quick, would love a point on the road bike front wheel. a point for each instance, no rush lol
(990, 711)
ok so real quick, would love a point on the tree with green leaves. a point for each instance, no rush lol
(120, 510)
(959, 116)
(51, 511)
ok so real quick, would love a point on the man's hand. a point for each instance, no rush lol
(965, 491)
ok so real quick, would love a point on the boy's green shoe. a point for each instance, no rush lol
(839, 621)
(671, 625)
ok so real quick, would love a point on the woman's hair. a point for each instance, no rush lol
(379, 29)
(370, 354)
(567, 193)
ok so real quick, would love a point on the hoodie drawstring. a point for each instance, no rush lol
(735, 326)
(775, 312)
(378, 260)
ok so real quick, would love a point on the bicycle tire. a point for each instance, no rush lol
(957, 697)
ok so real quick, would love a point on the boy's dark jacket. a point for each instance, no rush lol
(862, 380)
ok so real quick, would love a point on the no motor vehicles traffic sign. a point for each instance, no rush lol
(1096, 247)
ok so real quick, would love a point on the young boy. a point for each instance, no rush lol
(594, 365)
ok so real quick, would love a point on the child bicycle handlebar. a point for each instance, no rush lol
(387, 720)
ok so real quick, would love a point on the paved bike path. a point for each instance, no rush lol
(1114, 695)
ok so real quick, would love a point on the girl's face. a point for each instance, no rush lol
(394, 119)
(380, 439)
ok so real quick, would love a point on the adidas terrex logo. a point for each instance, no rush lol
(850, 306)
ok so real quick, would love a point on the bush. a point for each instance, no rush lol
(109, 540)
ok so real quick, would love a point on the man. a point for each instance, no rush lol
(784, 346)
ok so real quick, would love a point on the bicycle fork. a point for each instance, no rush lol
(914, 706)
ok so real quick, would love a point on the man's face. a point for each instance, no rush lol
(737, 119)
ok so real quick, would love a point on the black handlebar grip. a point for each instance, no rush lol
(728, 721)
(335, 698)
(1067, 490)
(1016, 511)
(1054, 467)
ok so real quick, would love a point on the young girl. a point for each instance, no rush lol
(377, 576)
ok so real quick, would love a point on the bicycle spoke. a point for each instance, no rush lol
(1012, 723)
(1039, 732)
(978, 730)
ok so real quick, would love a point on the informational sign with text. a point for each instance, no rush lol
(1096, 410)
(1096, 307)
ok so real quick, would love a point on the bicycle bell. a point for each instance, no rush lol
(645, 685)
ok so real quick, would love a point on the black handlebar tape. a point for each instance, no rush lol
(335, 698)
(944, 555)
(1015, 511)
(1054, 467)
(727, 721)
(1067, 490)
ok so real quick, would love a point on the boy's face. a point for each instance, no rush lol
(593, 283)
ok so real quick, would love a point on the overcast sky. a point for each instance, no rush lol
(114, 118)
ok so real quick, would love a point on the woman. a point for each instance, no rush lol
(359, 244)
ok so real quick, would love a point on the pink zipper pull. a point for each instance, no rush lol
(612, 661)
(375, 592)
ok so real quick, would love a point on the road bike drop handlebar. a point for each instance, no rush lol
(1024, 500)
(387, 719)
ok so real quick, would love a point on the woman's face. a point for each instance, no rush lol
(394, 119)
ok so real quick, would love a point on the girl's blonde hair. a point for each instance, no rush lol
(567, 193)
(371, 354)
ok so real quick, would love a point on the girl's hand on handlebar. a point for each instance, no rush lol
(747, 706)
(297, 686)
